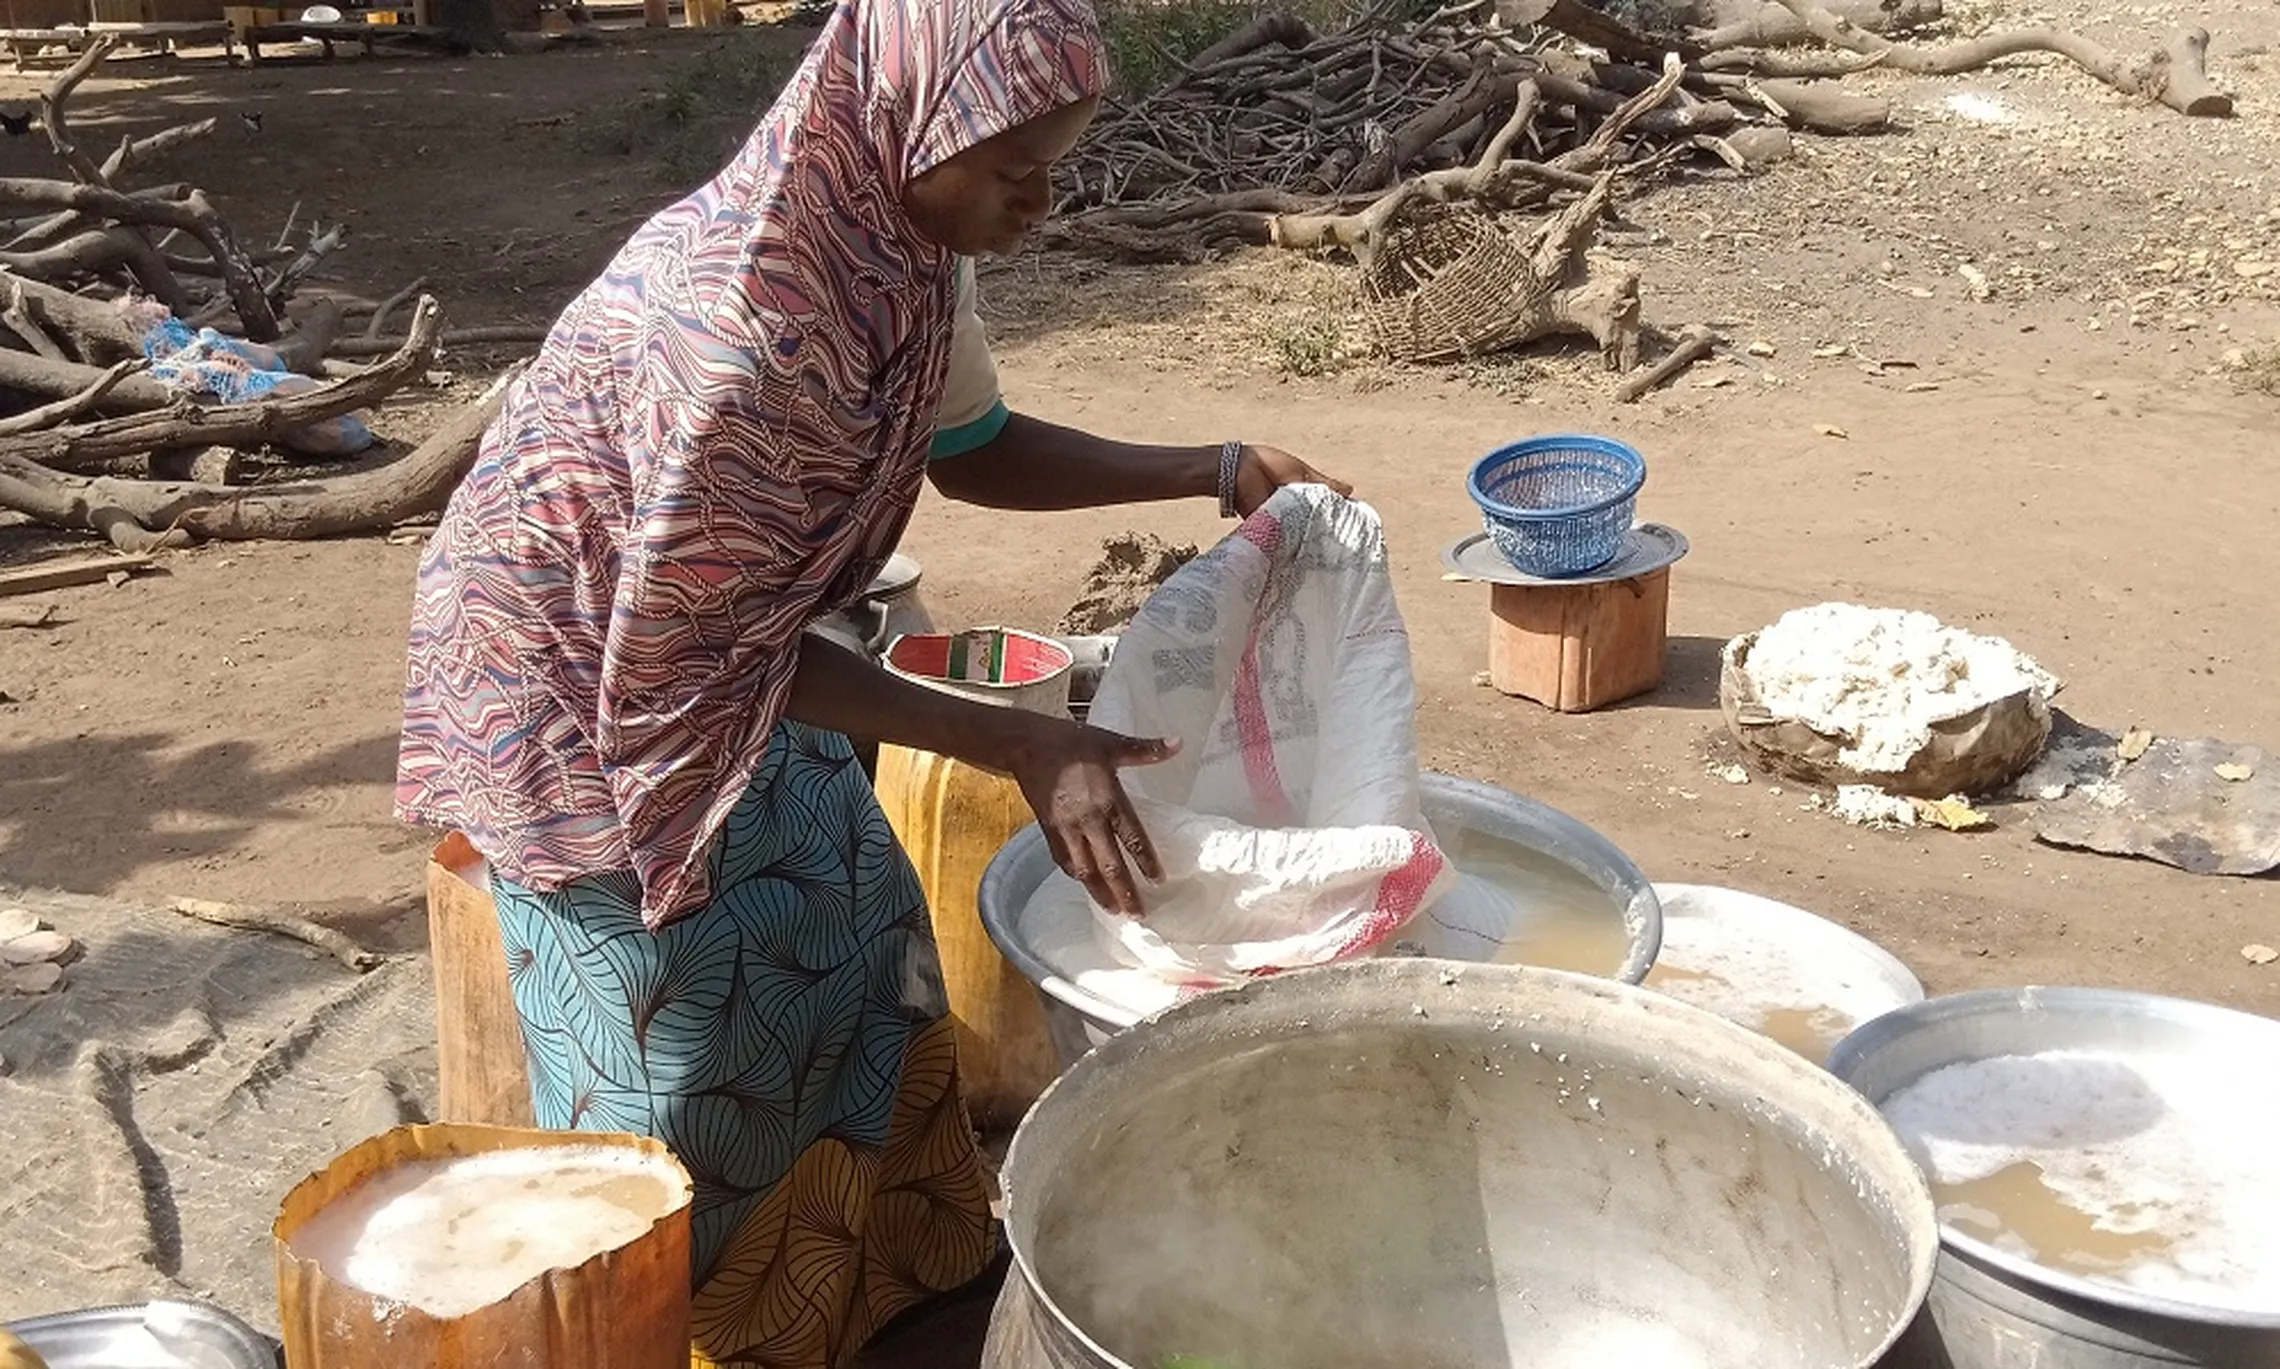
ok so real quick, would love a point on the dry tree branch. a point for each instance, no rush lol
(390, 305)
(18, 316)
(322, 244)
(264, 420)
(2176, 76)
(276, 921)
(1770, 25)
(24, 373)
(67, 409)
(52, 102)
(193, 214)
(136, 248)
(135, 151)
(130, 510)
(499, 335)
(1356, 231)
(98, 332)
(1695, 344)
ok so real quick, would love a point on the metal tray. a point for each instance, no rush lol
(1646, 548)
(150, 1335)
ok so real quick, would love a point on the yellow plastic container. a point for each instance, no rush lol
(952, 818)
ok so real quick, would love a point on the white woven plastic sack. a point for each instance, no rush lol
(1289, 825)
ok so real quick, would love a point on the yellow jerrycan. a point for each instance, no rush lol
(952, 818)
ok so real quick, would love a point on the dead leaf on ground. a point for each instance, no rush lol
(2133, 743)
(16, 922)
(2235, 773)
(1954, 814)
(2257, 953)
(1830, 430)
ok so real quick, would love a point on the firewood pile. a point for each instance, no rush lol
(120, 416)
(1465, 157)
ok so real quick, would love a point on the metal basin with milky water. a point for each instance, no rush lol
(1614, 929)
(1409, 1164)
(1996, 1309)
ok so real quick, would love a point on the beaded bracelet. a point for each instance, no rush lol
(1230, 459)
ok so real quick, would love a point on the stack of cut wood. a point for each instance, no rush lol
(90, 441)
(1278, 124)
(1284, 136)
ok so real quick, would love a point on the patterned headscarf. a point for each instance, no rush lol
(811, 268)
(722, 439)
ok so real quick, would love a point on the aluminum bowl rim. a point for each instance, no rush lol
(1644, 905)
(1923, 1272)
(1879, 1033)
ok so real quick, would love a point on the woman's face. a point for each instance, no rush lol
(989, 198)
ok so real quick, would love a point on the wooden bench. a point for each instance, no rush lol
(366, 36)
(26, 45)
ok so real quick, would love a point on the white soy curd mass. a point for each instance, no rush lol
(1882, 677)
(1510, 905)
(2149, 1172)
(453, 1235)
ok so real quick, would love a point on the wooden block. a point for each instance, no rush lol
(53, 575)
(121, 11)
(244, 19)
(482, 1075)
(1575, 648)
(186, 12)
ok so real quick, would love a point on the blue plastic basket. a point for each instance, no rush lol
(1559, 506)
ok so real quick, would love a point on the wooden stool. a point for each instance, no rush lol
(482, 1075)
(1580, 644)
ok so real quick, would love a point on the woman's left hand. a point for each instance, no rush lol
(1263, 470)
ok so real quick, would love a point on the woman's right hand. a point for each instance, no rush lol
(1067, 772)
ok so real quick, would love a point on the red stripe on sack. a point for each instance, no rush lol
(1400, 894)
(1257, 741)
(1252, 734)
(1262, 530)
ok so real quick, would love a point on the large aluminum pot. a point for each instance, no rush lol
(1418, 1164)
(1080, 1019)
(1997, 1310)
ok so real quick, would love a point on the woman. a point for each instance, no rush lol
(712, 936)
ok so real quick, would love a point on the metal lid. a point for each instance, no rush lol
(1647, 548)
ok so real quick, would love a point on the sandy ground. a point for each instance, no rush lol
(2080, 462)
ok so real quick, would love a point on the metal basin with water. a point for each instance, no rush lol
(1997, 1310)
(1406, 1164)
(1080, 1017)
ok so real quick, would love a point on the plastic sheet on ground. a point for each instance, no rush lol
(156, 1109)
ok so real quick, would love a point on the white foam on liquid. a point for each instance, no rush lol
(1757, 957)
(454, 1235)
(2142, 1144)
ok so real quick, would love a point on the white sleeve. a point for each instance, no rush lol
(971, 397)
